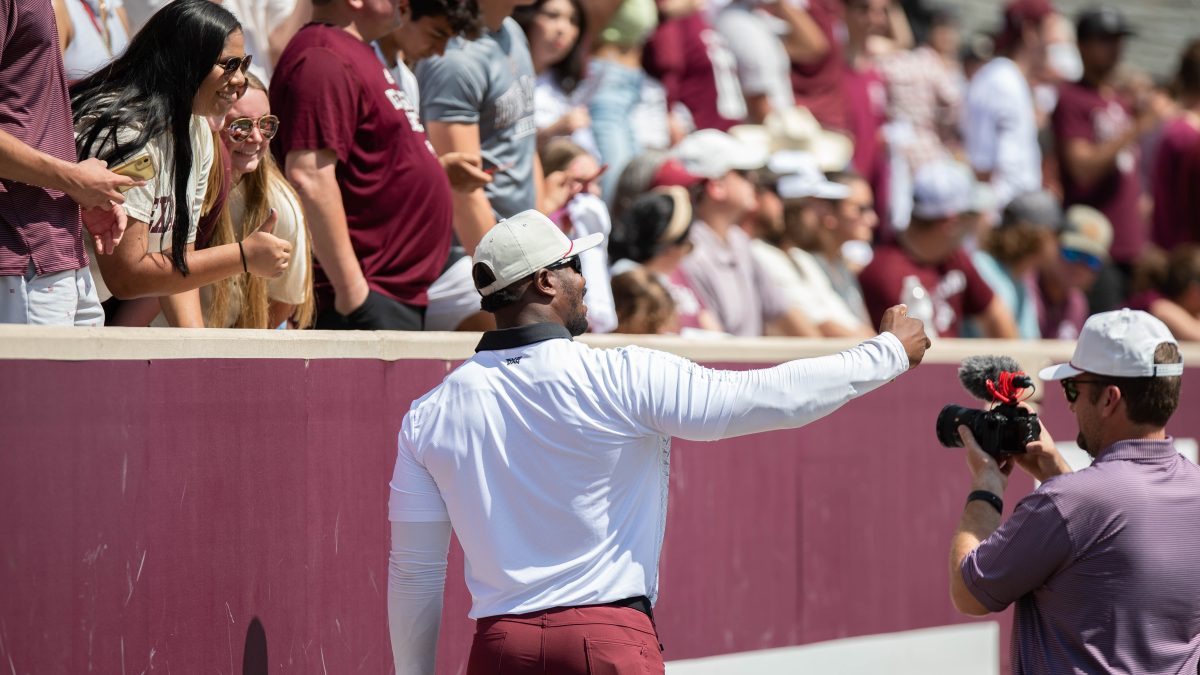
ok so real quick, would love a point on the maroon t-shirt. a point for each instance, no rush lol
(818, 86)
(697, 69)
(36, 223)
(331, 91)
(1083, 112)
(954, 288)
(1176, 186)
(866, 112)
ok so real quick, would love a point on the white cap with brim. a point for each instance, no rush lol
(1118, 344)
(801, 177)
(711, 154)
(519, 246)
(942, 189)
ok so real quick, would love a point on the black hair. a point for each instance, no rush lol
(636, 237)
(1187, 78)
(150, 88)
(463, 16)
(497, 300)
(568, 72)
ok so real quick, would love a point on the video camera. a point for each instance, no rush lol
(1003, 429)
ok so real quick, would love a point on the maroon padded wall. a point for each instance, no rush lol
(229, 516)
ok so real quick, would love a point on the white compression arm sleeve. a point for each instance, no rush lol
(677, 397)
(416, 580)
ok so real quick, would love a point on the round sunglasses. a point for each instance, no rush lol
(234, 64)
(242, 128)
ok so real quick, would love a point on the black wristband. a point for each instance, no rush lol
(989, 497)
(243, 252)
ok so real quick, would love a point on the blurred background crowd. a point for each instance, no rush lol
(760, 167)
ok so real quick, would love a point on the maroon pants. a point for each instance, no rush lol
(594, 640)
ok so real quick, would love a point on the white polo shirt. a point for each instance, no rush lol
(550, 458)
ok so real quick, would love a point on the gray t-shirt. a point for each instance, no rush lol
(489, 82)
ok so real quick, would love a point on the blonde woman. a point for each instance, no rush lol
(246, 301)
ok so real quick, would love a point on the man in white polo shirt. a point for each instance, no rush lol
(550, 460)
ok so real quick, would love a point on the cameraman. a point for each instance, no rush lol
(1101, 562)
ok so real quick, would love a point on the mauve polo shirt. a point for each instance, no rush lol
(1102, 566)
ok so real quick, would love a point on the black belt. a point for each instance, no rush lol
(640, 602)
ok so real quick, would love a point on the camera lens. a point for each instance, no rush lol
(948, 421)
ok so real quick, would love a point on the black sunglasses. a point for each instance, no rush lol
(1071, 387)
(572, 262)
(235, 63)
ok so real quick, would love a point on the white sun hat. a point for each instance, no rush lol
(801, 176)
(1118, 344)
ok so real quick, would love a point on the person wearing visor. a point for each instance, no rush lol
(1063, 285)
(1100, 562)
(550, 461)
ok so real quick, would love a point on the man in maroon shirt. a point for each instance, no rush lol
(1177, 162)
(376, 198)
(695, 65)
(1097, 136)
(44, 275)
(927, 268)
(817, 69)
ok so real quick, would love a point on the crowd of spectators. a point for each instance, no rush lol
(758, 167)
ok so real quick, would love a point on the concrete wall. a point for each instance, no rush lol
(1164, 26)
(215, 501)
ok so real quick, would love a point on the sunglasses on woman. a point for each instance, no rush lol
(235, 63)
(242, 128)
(572, 262)
(1071, 387)
(1092, 262)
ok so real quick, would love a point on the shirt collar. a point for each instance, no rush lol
(509, 338)
(1139, 450)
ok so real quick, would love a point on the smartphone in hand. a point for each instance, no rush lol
(138, 168)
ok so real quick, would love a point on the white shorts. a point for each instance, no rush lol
(452, 297)
(66, 298)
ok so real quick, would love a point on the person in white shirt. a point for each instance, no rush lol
(999, 124)
(550, 459)
(787, 249)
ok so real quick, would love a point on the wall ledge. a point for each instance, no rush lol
(124, 344)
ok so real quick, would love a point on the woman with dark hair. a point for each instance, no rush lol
(186, 64)
(654, 235)
(555, 29)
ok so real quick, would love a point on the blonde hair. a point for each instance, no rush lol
(644, 306)
(256, 188)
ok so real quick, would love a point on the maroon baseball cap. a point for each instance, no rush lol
(1021, 13)
(671, 172)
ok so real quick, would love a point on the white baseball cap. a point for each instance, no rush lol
(519, 246)
(801, 176)
(711, 154)
(1118, 344)
(942, 189)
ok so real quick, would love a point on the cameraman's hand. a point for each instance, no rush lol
(910, 331)
(1042, 459)
(987, 474)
